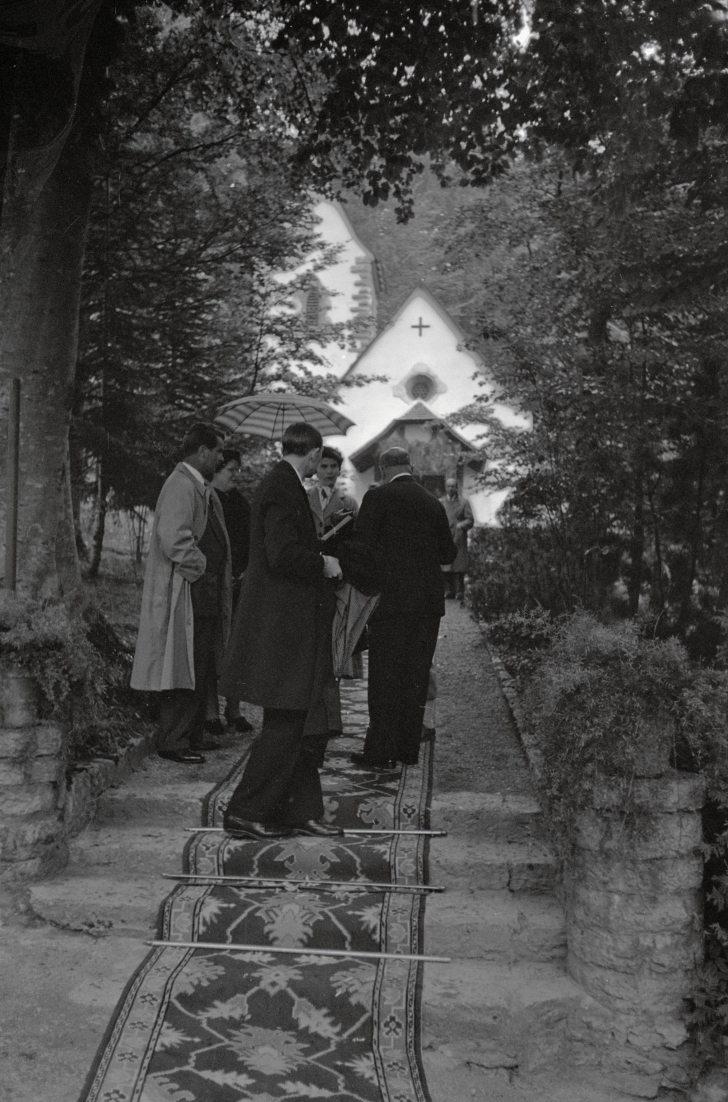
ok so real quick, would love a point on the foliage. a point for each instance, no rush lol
(617, 355)
(521, 638)
(194, 219)
(80, 666)
(606, 704)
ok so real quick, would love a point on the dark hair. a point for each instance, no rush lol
(231, 454)
(332, 453)
(201, 435)
(300, 438)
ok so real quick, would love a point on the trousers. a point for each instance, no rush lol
(281, 781)
(182, 711)
(401, 649)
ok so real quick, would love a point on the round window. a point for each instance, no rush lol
(421, 387)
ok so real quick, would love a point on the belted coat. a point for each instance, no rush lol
(461, 520)
(279, 652)
(164, 655)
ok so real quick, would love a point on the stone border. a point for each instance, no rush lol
(90, 780)
(508, 688)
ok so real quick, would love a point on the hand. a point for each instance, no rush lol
(332, 567)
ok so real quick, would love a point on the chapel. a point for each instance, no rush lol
(418, 368)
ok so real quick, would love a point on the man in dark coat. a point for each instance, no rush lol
(408, 530)
(280, 651)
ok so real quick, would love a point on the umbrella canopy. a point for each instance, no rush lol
(269, 414)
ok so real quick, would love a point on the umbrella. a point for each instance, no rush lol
(353, 609)
(269, 414)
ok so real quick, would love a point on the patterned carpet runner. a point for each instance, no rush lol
(223, 1025)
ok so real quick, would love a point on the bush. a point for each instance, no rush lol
(82, 670)
(521, 638)
(606, 704)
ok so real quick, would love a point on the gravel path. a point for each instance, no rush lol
(477, 747)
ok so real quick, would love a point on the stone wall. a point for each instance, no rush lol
(40, 806)
(32, 783)
(633, 902)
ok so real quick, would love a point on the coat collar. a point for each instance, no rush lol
(201, 489)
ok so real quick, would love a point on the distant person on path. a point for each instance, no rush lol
(460, 518)
(236, 511)
(280, 652)
(408, 529)
(186, 601)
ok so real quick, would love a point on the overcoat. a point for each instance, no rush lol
(286, 606)
(164, 655)
(410, 533)
(459, 513)
(337, 503)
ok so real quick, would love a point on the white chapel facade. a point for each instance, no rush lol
(424, 374)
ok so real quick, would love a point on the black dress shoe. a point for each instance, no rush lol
(245, 828)
(206, 744)
(316, 829)
(187, 757)
(214, 726)
(366, 763)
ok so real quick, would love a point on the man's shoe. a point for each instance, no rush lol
(206, 744)
(245, 828)
(241, 725)
(214, 726)
(316, 829)
(366, 763)
(187, 757)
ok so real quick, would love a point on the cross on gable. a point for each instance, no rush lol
(420, 326)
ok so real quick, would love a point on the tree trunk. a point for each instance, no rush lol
(69, 574)
(41, 260)
(100, 529)
(76, 471)
(636, 545)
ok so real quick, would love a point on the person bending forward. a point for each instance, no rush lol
(280, 651)
(408, 529)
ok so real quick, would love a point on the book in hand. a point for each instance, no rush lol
(337, 527)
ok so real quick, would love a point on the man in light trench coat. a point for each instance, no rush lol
(186, 601)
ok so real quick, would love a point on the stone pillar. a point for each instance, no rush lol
(633, 895)
(32, 783)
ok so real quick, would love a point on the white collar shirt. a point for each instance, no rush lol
(195, 473)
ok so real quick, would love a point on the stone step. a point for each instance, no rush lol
(132, 852)
(100, 905)
(488, 816)
(462, 864)
(164, 803)
(497, 926)
(520, 1011)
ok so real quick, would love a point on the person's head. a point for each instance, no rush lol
(329, 467)
(228, 470)
(202, 449)
(394, 461)
(451, 487)
(302, 444)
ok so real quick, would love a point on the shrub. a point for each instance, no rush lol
(521, 639)
(81, 667)
(606, 704)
